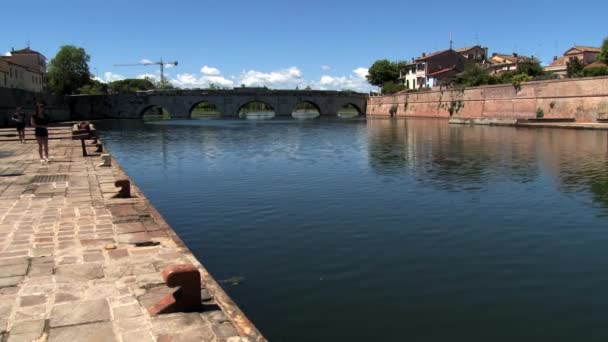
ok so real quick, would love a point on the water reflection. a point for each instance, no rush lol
(458, 156)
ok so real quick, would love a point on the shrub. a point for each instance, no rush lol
(540, 113)
(596, 71)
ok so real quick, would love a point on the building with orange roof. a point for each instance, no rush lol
(23, 69)
(585, 54)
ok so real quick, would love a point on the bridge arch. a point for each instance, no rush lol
(256, 109)
(154, 111)
(205, 108)
(349, 109)
(306, 109)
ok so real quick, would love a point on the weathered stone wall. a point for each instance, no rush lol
(56, 106)
(585, 99)
(179, 103)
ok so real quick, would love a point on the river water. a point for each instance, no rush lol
(387, 230)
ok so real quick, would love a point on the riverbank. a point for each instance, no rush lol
(69, 265)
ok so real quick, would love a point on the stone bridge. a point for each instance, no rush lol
(179, 103)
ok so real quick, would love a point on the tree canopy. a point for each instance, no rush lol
(603, 56)
(69, 70)
(130, 85)
(383, 71)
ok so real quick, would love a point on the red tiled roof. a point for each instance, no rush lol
(596, 64)
(27, 51)
(431, 55)
(559, 62)
(442, 71)
(584, 49)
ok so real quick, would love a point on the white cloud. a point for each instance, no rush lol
(288, 78)
(194, 81)
(285, 78)
(356, 81)
(361, 72)
(110, 77)
(146, 61)
(210, 71)
(7, 53)
(150, 76)
(325, 67)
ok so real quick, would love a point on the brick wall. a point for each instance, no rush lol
(585, 99)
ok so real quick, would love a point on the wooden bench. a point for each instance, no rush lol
(82, 133)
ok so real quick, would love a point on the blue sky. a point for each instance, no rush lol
(283, 44)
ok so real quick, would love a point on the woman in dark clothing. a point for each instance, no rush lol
(19, 118)
(40, 121)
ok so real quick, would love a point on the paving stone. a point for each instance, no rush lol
(4, 291)
(78, 272)
(25, 337)
(34, 326)
(10, 281)
(14, 261)
(127, 311)
(137, 336)
(131, 324)
(93, 256)
(118, 254)
(95, 332)
(13, 270)
(79, 312)
(175, 322)
(43, 260)
(61, 297)
(33, 300)
(38, 270)
(224, 330)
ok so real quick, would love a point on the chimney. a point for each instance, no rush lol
(514, 54)
(413, 59)
(554, 58)
(423, 54)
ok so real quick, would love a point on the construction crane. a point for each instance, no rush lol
(162, 67)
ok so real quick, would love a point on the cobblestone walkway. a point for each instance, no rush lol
(59, 279)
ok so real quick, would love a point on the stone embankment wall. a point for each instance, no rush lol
(585, 99)
(56, 106)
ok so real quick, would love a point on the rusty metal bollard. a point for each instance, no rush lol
(99, 148)
(125, 188)
(187, 298)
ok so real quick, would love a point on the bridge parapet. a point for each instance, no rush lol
(180, 103)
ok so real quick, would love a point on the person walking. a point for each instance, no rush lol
(40, 122)
(19, 118)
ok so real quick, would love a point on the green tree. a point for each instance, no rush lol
(131, 85)
(69, 70)
(391, 87)
(603, 56)
(473, 76)
(383, 71)
(574, 68)
(531, 68)
(94, 88)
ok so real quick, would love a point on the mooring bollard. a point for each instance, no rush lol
(99, 147)
(125, 188)
(187, 298)
(106, 160)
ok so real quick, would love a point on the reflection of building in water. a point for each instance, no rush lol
(449, 156)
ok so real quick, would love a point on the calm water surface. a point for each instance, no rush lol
(380, 230)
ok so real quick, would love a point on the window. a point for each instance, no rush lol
(11, 70)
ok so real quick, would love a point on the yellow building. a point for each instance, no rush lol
(23, 69)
